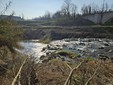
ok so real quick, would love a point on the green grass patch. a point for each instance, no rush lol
(69, 54)
(89, 59)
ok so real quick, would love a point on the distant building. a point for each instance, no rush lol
(16, 18)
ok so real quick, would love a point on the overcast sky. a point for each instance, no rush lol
(36, 8)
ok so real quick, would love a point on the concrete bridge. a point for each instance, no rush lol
(99, 17)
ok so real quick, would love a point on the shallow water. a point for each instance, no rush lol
(33, 48)
(90, 47)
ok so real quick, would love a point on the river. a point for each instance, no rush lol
(85, 47)
(33, 48)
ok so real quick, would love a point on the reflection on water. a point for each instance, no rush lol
(33, 48)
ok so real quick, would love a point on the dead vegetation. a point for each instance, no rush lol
(17, 69)
(56, 72)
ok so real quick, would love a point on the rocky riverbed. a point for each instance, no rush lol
(82, 47)
(85, 47)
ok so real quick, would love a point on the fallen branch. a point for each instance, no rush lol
(92, 76)
(69, 77)
(68, 66)
(17, 75)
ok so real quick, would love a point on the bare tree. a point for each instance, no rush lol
(92, 9)
(66, 8)
(89, 9)
(73, 10)
(111, 9)
(5, 8)
(102, 11)
(47, 15)
(84, 9)
(106, 7)
(58, 14)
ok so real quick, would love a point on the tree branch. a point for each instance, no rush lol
(14, 80)
(92, 76)
(66, 83)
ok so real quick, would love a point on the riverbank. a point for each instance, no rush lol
(57, 72)
(46, 34)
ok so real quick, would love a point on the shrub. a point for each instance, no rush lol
(10, 34)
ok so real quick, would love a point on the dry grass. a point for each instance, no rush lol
(52, 73)
(55, 72)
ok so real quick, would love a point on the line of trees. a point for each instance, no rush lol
(69, 9)
(92, 9)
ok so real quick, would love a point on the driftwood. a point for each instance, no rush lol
(17, 75)
(71, 73)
